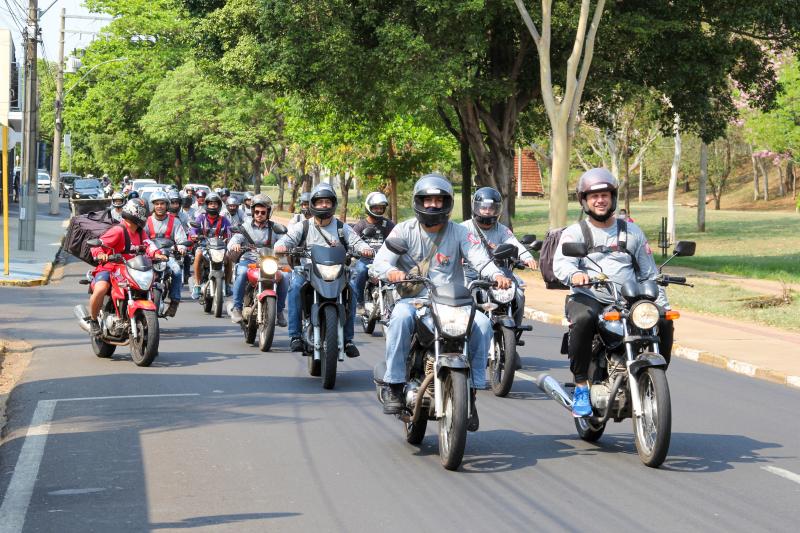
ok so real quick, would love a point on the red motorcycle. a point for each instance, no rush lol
(259, 307)
(128, 314)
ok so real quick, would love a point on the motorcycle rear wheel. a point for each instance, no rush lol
(330, 347)
(101, 348)
(206, 299)
(266, 331)
(652, 431)
(368, 321)
(144, 348)
(250, 327)
(416, 432)
(587, 432)
(504, 365)
(453, 424)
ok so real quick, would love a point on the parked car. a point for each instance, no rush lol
(86, 189)
(65, 185)
(42, 181)
(144, 182)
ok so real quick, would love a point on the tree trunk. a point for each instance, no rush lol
(791, 176)
(755, 173)
(641, 181)
(178, 166)
(466, 180)
(346, 182)
(673, 183)
(392, 182)
(627, 163)
(701, 188)
(281, 179)
(765, 174)
(194, 172)
(781, 189)
(255, 168)
(559, 197)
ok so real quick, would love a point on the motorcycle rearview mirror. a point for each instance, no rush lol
(684, 248)
(278, 228)
(536, 245)
(368, 232)
(195, 225)
(396, 246)
(94, 242)
(575, 249)
(185, 243)
(527, 240)
(505, 251)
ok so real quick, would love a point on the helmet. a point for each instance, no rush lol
(174, 197)
(213, 197)
(264, 201)
(305, 197)
(135, 210)
(186, 201)
(433, 185)
(132, 195)
(323, 190)
(375, 199)
(189, 188)
(117, 199)
(247, 196)
(232, 202)
(201, 194)
(486, 198)
(225, 192)
(218, 190)
(597, 180)
(158, 196)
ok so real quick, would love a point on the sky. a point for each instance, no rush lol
(14, 12)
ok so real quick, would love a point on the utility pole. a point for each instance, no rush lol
(55, 171)
(27, 211)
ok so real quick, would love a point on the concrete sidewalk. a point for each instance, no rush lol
(34, 268)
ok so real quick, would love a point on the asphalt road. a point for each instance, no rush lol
(217, 436)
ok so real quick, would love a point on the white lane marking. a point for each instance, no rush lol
(786, 474)
(70, 492)
(524, 376)
(20, 488)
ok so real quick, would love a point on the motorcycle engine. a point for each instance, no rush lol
(114, 326)
(600, 393)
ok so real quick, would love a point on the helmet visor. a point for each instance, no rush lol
(487, 207)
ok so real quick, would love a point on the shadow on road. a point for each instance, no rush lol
(701, 453)
(200, 521)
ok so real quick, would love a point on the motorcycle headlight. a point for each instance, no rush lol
(269, 266)
(144, 279)
(644, 315)
(503, 296)
(329, 272)
(160, 266)
(217, 255)
(453, 320)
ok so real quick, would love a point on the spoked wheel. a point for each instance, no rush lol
(653, 429)
(504, 365)
(453, 423)
(330, 347)
(587, 431)
(416, 432)
(144, 347)
(218, 296)
(266, 331)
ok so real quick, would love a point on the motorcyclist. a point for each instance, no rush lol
(304, 213)
(199, 205)
(132, 195)
(597, 191)
(433, 202)
(375, 205)
(232, 212)
(225, 193)
(259, 229)
(189, 191)
(487, 205)
(134, 215)
(117, 203)
(322, 230)
(187, 210)
(166, 225)
(212, 224)
(247, 203)
(175, 201)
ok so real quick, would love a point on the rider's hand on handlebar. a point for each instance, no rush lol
(369, 252)
(580, 278)
(236, 248)
(160, 257)
(532, 264)
(395, 275)
(101, 257)
(502, 282)
(280, 249)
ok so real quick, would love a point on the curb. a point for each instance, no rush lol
(46, 273)
(698, 356)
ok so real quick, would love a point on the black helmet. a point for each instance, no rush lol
(135, 210)
(225, 192)
(597, 180)
(187, 201)
(132, 195)
(323, 190)
(174, 198)
(433, 185)
(213, 197)
(485, 199)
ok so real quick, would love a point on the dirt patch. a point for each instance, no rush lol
(14, 359)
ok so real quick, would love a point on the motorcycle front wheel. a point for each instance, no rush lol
(652, 431)
(330, 347)
(504, 365)
(453, 423)
(144, 347)
(266, 330)
(218, 296)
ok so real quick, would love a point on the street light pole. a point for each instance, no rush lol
(55, 174)
(27, 211)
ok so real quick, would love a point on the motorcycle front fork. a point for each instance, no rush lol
(318, 334)
(633, 383)
(438, 400)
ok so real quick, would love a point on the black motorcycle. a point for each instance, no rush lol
(163, 275)
(212, 271)
(378, 298)
(437, 366)
(627, 372)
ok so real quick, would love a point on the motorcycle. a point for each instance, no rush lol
(163, 275)
(212, 289)
(324, 301)
(627, 373)
(259, 310)
(437, 365)
(378, 298)
(128, 315)
(500, 306)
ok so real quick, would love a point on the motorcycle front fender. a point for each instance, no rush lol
(316, 312)
(146, 305)
(646, 360)
(450, 362)
(505, 321)
(264, 294)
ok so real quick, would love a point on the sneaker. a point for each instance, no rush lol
(173, 308)
(360, 309)
(296, 344)
(196, 292)
(473, 423)
(350, 349)
(581, 406)
(281, 319)
(95, 325)
(392, 397)
(228, 289)
(236, 315)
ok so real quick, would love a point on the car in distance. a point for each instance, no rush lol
(86, 189)
(42, 181)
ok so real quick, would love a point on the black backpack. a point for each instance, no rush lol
(83, 228)
(550, 245)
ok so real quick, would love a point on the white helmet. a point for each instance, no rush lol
(375, 199)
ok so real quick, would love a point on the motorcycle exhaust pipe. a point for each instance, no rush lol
(82, 315)
(553, 388)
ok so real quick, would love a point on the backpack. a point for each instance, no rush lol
(339, 230)
(550, 245)
(83, 228)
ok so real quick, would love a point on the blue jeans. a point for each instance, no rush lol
(358, 279)
(295, 312)
(398, 344)
(240, 284)
(177, 279)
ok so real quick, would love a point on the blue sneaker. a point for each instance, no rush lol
(581, 406)
(196, 292)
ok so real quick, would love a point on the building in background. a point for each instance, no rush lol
(528, 177)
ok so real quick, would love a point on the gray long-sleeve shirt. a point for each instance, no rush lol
(314, 236)
(497, 235)
(617, 264)
(260, 236)
(458, 243)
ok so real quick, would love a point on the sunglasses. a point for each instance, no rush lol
(259, 212)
